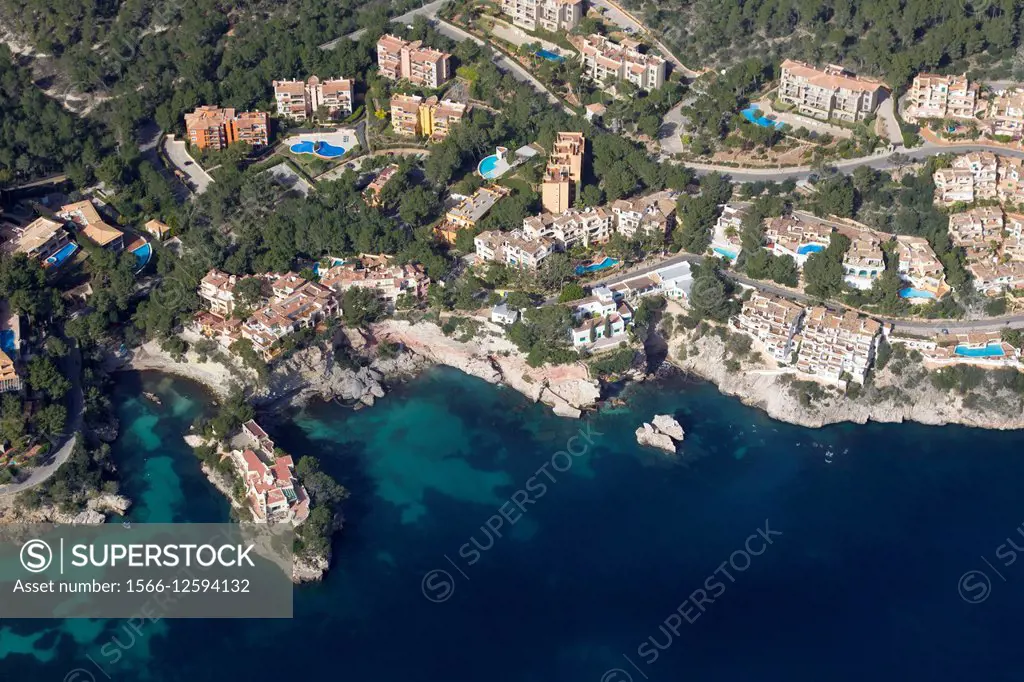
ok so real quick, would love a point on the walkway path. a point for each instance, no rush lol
(72, 370)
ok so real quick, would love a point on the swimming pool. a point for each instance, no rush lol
(549, 55)
(7, 343)
(810, 248)
(142, 256)
(911, 292)
(608, 262)
(319, 148)
(992, 350)
(761, 120)
(725, 253)
(57, 259)
(488, 167)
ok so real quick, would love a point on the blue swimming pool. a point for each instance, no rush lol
(761, 120)
(319, 148)
(57, 259)
(911, 292)
(725, 253)
(992, 350)
(549, 55)
(810, 248)
(7, 343)
(608, 262)
(142, 256)
(488, 167)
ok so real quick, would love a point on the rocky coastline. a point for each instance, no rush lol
(98, 509)
(315, 372)
(898, 393)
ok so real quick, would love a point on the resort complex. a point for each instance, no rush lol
(398, 59)
(300, 101)
(210, 127)
(540, 236)
(605, 62)
(831, 92)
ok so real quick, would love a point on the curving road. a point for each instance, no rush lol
(73, 371)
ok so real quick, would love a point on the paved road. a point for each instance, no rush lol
(887, 113)
(73, 371)
(177, 152)
(672, 127)
(429, 10)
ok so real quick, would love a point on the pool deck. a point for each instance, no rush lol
(346, 138)
(798, 121)
(500, 168)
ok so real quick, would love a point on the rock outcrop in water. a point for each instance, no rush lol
(663, 433)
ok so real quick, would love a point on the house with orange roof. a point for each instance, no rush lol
(87, 220)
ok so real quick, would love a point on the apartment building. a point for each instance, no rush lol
(412, 115)
(864, 261)
(1006, 114)
(39, 239)
(935, 96)
(606, 62)
(919, 266)
(405, 114)
(772, 320)
(549, 15)
(513, 248)
(439, 118)
(398, 59)
(653, 215)
(468, 212)
(90, 224)
(831, 92)
(970, 177)
(300, 101)
(832, 346)
(574, 226)
(790, 235)
(210, 127)
(388, 281)
(563, 173)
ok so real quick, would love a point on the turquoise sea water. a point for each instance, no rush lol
(872, 528)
